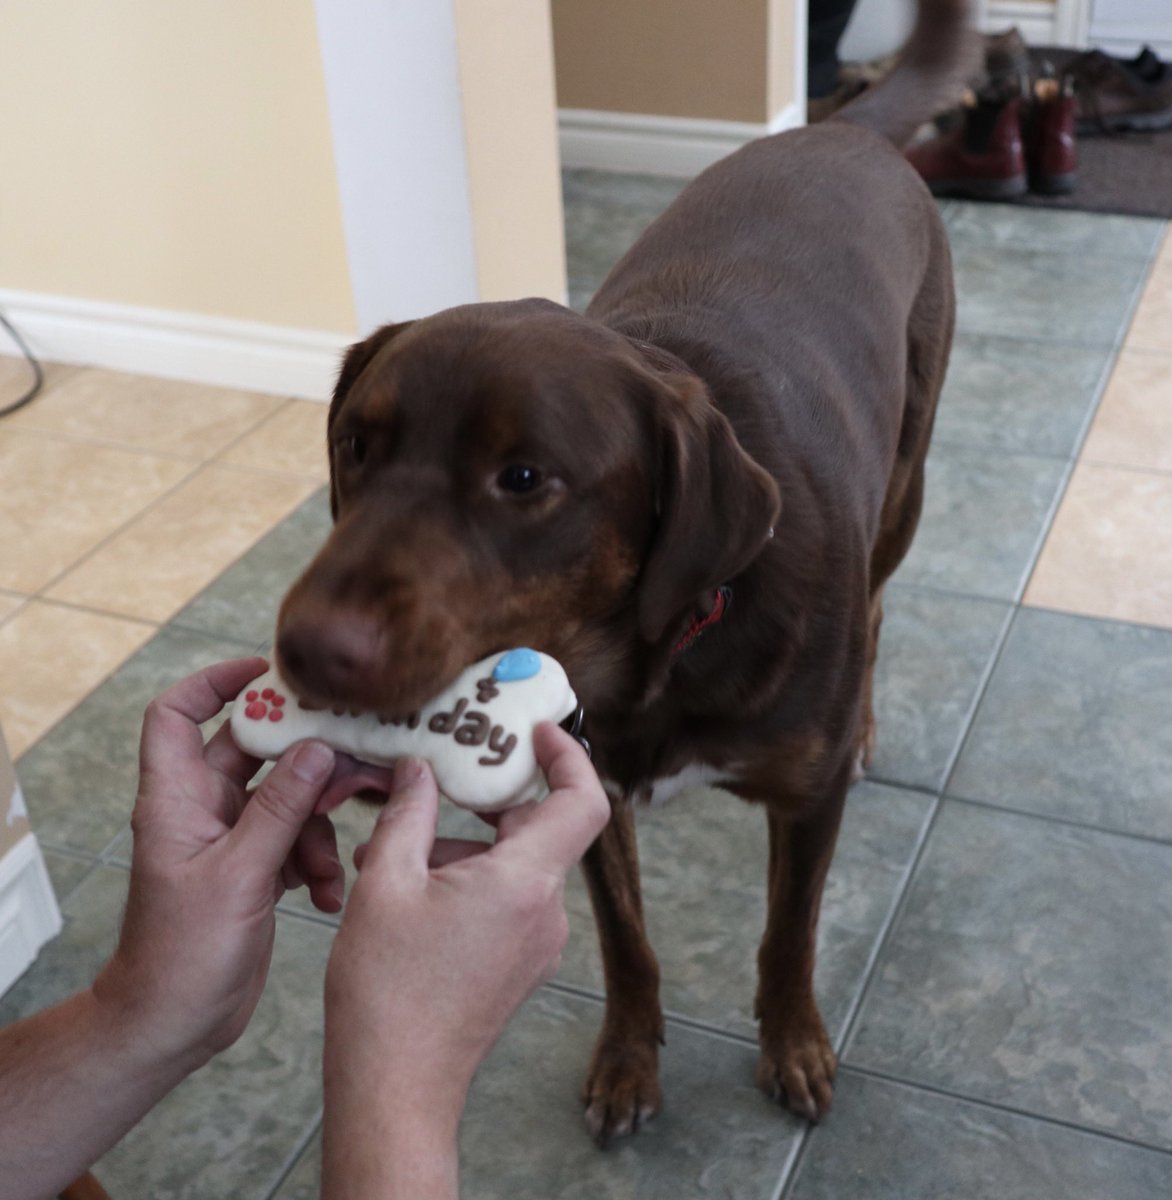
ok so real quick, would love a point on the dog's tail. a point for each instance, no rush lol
(929, 75)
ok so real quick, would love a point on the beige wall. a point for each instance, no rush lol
(511, 143)
(172, 156)
(712, 59)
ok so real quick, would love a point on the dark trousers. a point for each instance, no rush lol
(828, 20)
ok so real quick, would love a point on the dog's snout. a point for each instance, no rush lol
(330, 659)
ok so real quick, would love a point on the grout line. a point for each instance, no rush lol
(294, 1156)
(90, 610)
(102, 543)
(1093, 617)
(92, 864)
(1063, 822)
(1008, 1109)
(1106, 463)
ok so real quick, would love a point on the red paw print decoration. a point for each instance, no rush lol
(268, 703)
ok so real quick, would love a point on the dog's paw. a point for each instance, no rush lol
(797, 1068)
(621, 1091)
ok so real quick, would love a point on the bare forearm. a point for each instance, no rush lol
(388, 1133)
(72, 1082)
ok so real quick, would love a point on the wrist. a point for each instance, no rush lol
(392, 1116)
(130, 1018)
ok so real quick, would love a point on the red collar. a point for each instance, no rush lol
(701, 623)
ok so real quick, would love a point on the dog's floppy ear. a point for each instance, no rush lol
(716, 507)
(356, 360)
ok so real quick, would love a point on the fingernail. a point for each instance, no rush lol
(312, 761)
(407, 771)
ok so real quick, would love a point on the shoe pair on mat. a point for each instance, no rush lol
(1118, 95)
(1016, 132)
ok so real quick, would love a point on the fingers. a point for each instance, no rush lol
(278, 810)
(444, 851)
(315, 857)
(404, 833)
(170, 729)
(560, 829)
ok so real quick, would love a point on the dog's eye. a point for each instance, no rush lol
(353, 449)
(519, 479)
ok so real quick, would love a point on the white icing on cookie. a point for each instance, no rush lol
(477, 734)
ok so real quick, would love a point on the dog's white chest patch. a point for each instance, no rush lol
(697, 775)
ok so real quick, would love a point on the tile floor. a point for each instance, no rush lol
(995, 949)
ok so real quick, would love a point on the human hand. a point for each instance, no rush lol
(442, 940)
(210, 862)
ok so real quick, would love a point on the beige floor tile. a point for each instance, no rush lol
(16, 377)
(59, 499)
(1109, 553)
(1151, 328)
(166, 417)
(9, 603)
(292, 439)
(51, 657)
(155, 565)
(1133, 427)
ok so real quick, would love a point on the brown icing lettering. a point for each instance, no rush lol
(411, 720)
(446, 722)
(486, 690)
(503, 744)
(475, 729)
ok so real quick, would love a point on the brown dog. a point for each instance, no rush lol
(691, 496)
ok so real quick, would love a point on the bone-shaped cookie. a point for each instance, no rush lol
(477, 734)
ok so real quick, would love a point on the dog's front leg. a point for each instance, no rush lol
(797, 1063)
(622, 1085)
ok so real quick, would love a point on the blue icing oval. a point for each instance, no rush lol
(517, 665)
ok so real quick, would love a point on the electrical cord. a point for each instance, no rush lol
(38, 373)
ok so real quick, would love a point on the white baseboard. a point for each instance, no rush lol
(177, 345)
(1037, 23)
(652, 145)
(29, 916)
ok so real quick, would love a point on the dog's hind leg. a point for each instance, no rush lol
(797, 1062)
(622, 1084)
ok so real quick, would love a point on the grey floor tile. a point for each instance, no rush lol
(66, 871)
(1031, 968)
(242, 603)
(230, 1129)
(703, 867)
(1004, 226)
(605, 213)
(1008, 394)
(1083, 299)
(884, 1141)
(80, 779)
(933, 652)
(983, 519)
(92, 916)
(1075, 724)
(523, 1137)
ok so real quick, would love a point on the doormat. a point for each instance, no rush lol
(1128, 173)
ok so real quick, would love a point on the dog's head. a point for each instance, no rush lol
(514, 474)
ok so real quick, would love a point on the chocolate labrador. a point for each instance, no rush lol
(692, 497)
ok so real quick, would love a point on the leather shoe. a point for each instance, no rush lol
(1117, 94)
(980, 156)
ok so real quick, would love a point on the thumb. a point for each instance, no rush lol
(277, 811)
(405, 830)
